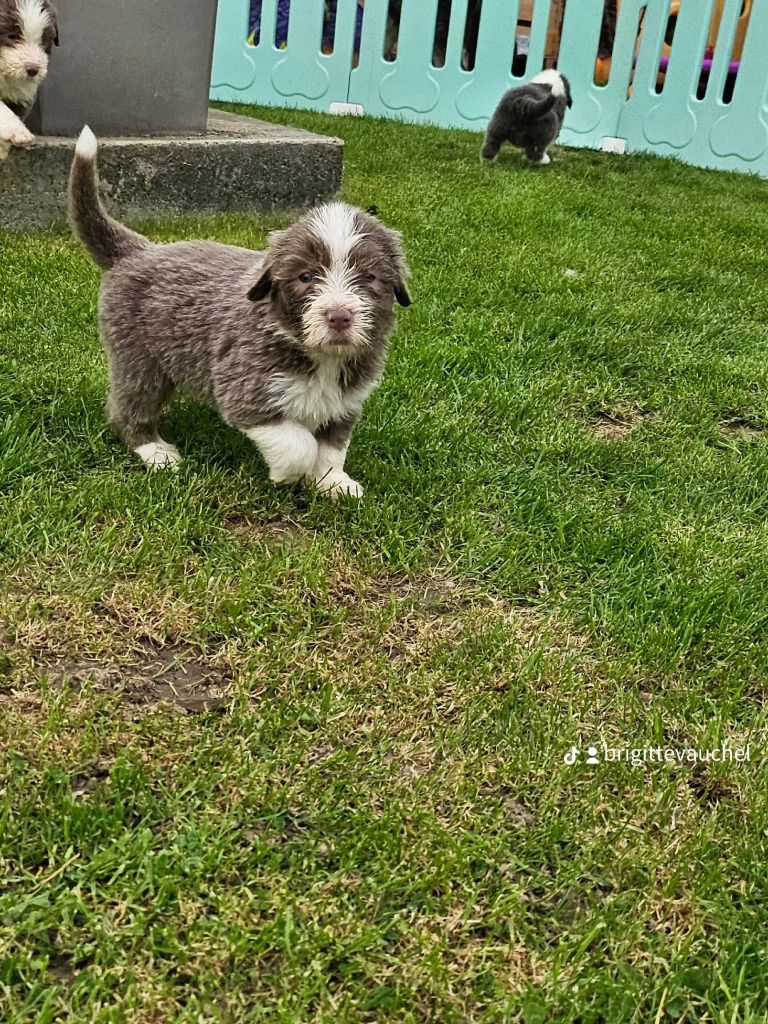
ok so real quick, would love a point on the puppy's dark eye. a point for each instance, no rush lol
(370, 277)
(306, 277)
(14, 36)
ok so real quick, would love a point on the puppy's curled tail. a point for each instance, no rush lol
(105, 239)
(530, 107)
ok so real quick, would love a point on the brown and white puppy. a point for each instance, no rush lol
(28, 33)
(286, 344)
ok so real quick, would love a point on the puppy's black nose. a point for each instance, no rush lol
(32, 70)
(339, 319)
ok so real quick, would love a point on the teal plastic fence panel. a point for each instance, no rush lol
(689, 118)
(411, 87)
(296, 75)
(597, 108)
(681, 112)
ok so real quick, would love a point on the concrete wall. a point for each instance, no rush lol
(129, 67)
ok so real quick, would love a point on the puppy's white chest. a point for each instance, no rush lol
(320, 398)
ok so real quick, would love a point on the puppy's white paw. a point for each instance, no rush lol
(338, 484)
(16, 134)
(543, 162)
(159, 455)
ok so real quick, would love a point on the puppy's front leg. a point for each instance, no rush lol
(288, 448)
(13, 131)
(328, 472)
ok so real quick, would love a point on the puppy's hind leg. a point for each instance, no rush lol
(538, 157)
(136, 397)
(491, 146)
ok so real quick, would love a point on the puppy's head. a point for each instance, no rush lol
(28, 33)
(557, 81)
(333, 278)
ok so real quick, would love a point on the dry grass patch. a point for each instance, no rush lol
(616, 424)
(56, 626)
(387, 645)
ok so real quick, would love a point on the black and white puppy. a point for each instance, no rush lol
(286, 344)
(28, 33)
(530, 117)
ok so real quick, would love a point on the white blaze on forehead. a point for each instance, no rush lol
(552, 78)
(334, 223)
(34, 18)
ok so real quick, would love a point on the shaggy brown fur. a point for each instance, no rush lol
(286, 343)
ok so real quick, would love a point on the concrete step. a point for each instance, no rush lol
(240, 165)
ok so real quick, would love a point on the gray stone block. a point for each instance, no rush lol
(138, 68)
(240, 165)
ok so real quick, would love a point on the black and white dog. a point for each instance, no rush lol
(28, 33)
(530, 117)
(286, 344)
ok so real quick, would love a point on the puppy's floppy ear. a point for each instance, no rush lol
(54, 24)
(402, 294)
(265, 281)
(263, 286)
(568, 97)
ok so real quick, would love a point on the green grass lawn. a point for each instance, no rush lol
(266, 758)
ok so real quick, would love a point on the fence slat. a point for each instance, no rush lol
(740, 137)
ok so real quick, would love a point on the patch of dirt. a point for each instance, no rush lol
(709, 790)
(273, 533)
(616, 425)
(518, 815)
(154, 676)
(384, 625)
(89, 777)
(61, 970)
(739, 428)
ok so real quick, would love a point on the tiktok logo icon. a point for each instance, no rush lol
(573, 755)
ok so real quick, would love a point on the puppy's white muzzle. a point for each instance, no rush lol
(24, 63)
(336, 319)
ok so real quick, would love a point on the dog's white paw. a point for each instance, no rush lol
(16, 135)
(339, 484)
(159, 455)
(544, 161)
